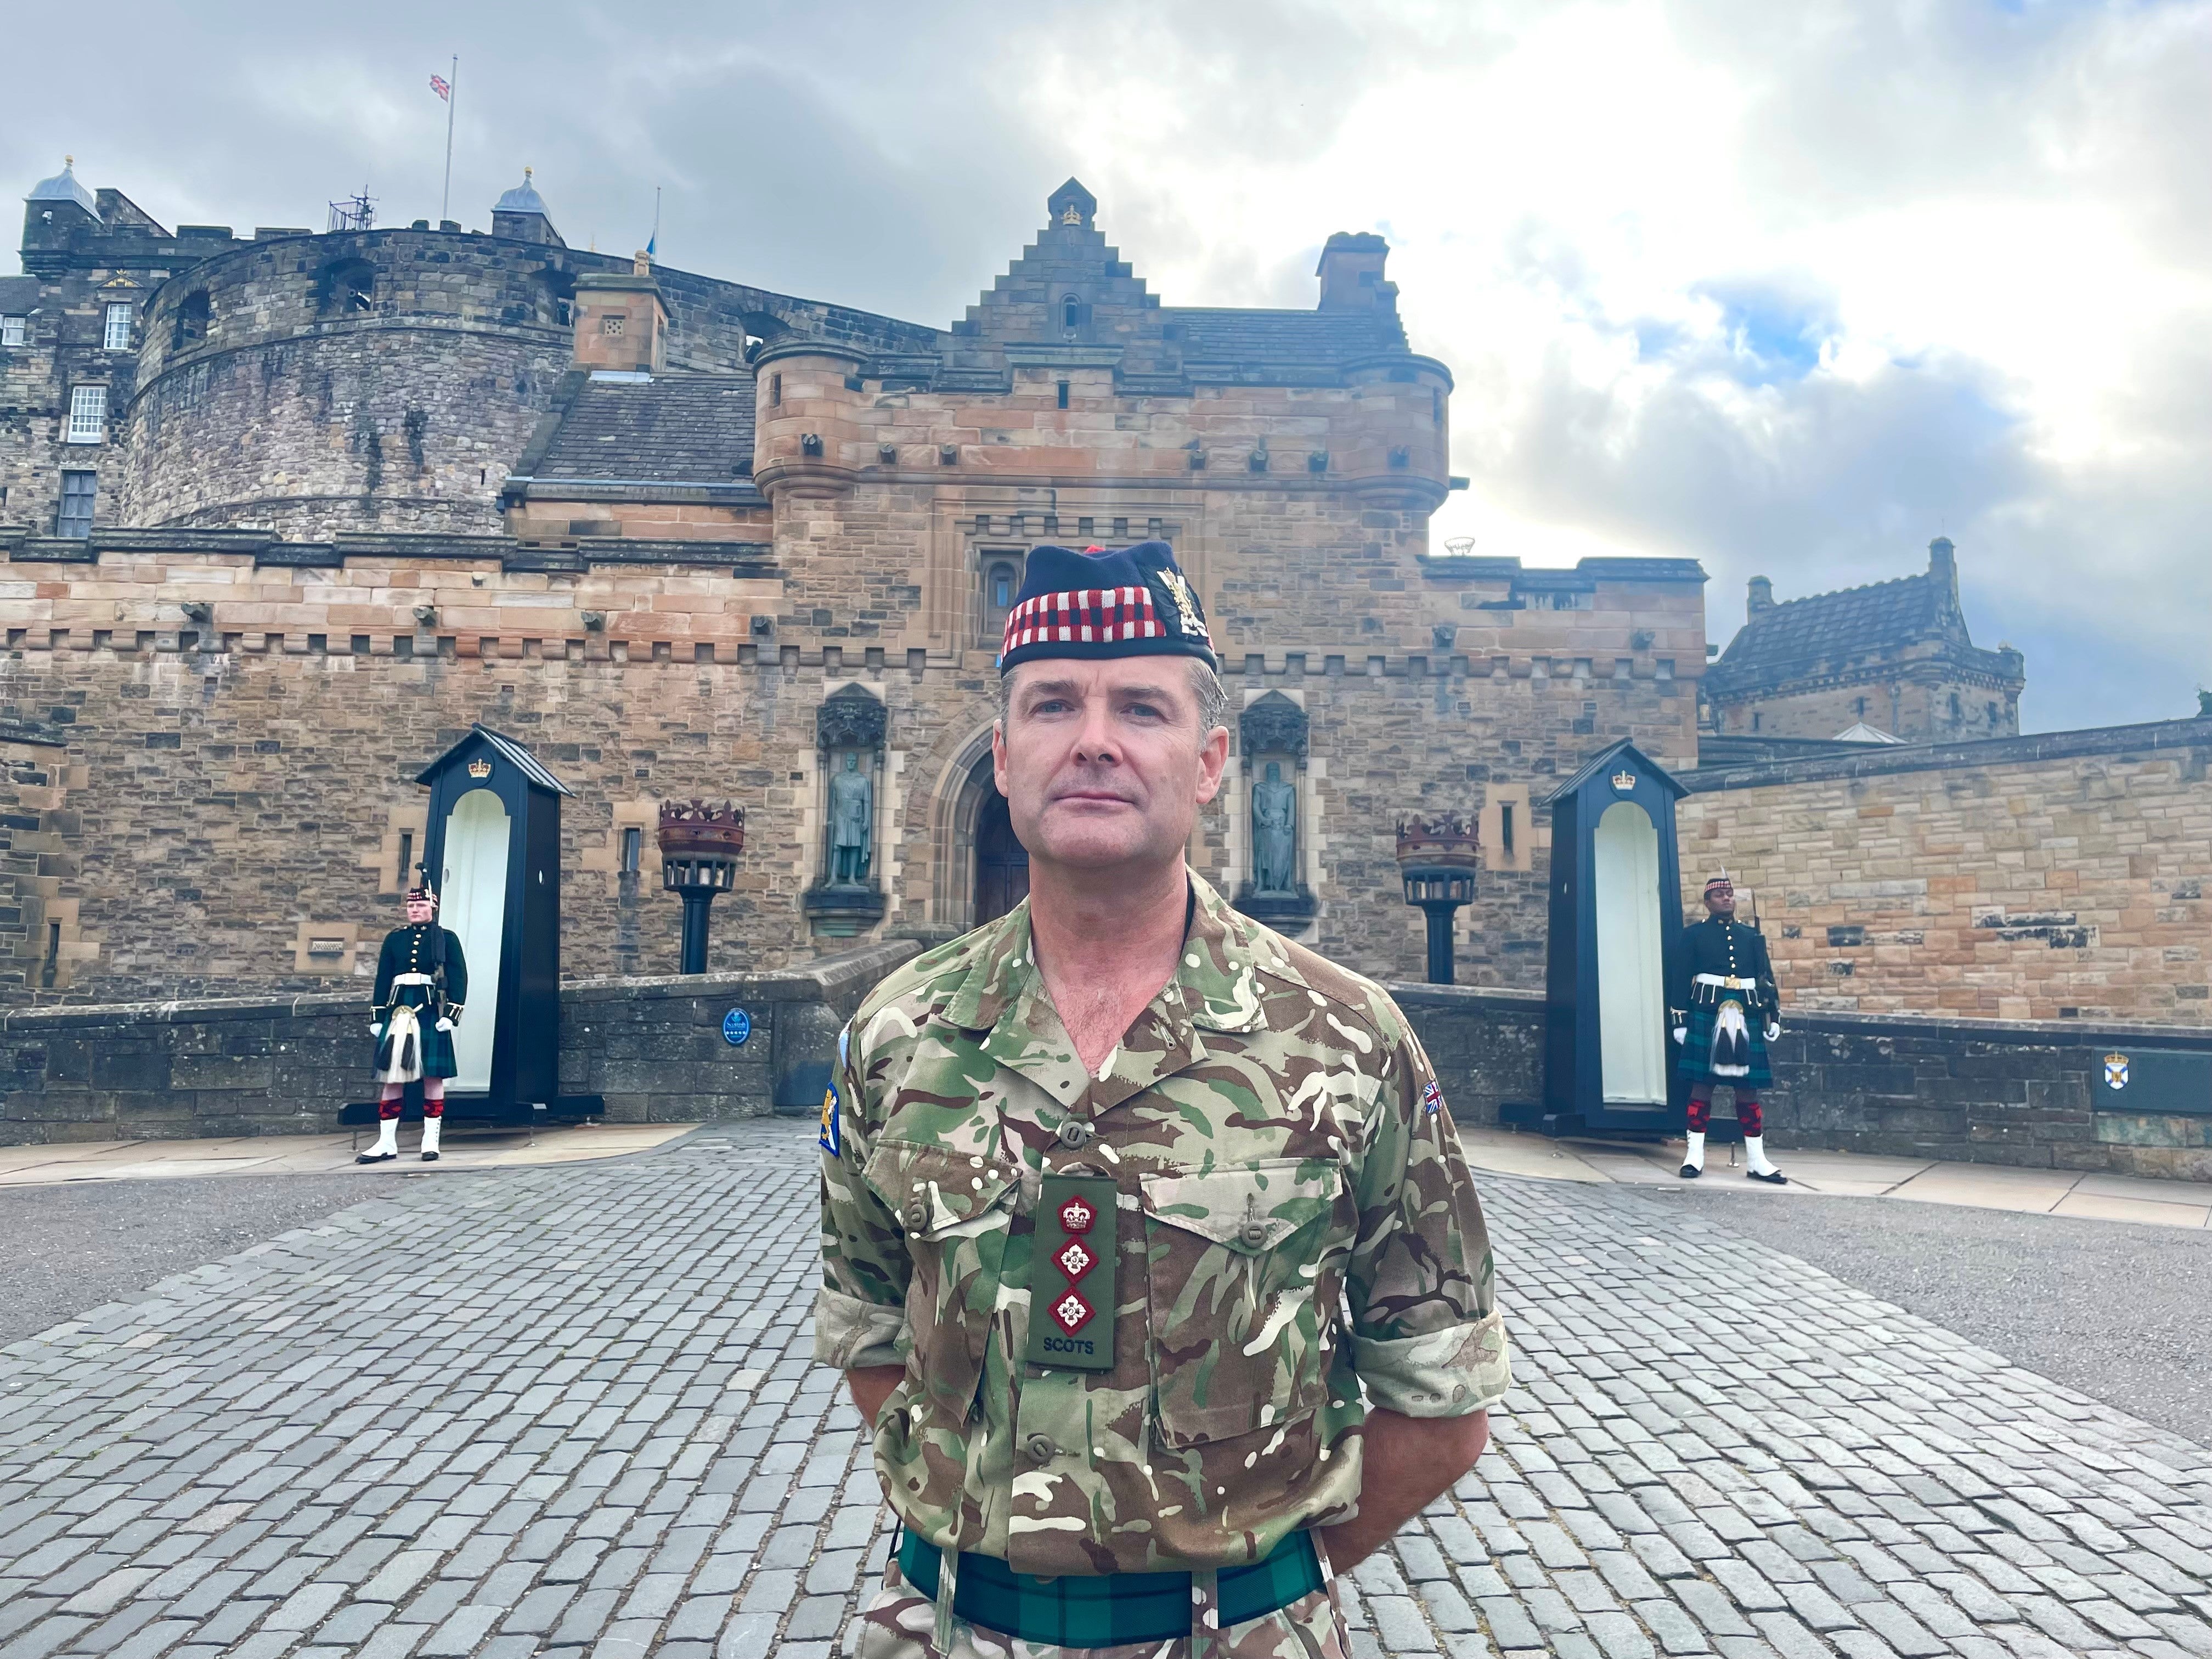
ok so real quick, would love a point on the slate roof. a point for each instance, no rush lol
(1791, 636)
(1255, 339)
(523, 198)
(513, 752)
(674, 428)
(18, 295)
(64, 187)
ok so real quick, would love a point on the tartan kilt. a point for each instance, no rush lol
(438, 1058)
(1697, 1053)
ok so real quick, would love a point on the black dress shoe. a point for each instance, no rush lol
(1774, 1178)
(376, 1158)
(1691, 1172)
(429, 1157)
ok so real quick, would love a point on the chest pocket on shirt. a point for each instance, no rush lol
(1245, 1269)
(954, 1209)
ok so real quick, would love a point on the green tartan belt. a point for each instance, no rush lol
(1076, 1611)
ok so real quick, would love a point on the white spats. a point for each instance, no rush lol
(387, 1143)
(431, 1125)
(1694, 1156)
(1755, 1163)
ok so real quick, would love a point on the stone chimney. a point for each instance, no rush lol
(1943, 569)
(621, 324)
(1351, 273)
(1761, 598)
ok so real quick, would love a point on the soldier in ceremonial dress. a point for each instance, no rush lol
(1148, 1245)
(422, 983)
(1725, 1010)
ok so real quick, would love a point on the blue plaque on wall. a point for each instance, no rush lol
(736, 1026)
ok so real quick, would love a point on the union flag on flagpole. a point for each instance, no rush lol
(441, 86)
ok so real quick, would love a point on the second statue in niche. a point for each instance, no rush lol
(852, 820)
(1274, 834)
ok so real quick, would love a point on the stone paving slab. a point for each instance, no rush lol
(570, 1411)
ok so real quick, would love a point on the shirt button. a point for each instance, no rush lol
(1073, 1133)
(1041, 1448)
(917, 1214)
(1253, 1233)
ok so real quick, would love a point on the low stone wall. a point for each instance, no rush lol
(2022, 1092)
(653, 1047)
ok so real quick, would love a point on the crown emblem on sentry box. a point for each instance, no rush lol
(479, 768)
(1625, 781)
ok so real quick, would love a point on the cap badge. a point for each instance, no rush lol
(1186, 606)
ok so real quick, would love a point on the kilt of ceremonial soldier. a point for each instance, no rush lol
(1274, 1228)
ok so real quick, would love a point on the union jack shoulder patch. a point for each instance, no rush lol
(1432, 1098)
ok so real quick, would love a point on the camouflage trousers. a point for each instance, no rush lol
(898, 1622)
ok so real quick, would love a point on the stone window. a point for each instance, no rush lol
(1955, 711)
(87, 416)
(193, 318)
(1001, 581)
(75, 518)
(1990, 710)
(633, 850)
(13, 330)
(776, 392)
(117, 337)
(1071, 313)
(1063, 394)
(611, 326)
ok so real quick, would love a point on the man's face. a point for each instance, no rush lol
(1721, 902)
(1101, 763)
(420, 911)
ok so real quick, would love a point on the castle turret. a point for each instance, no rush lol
(522, 215)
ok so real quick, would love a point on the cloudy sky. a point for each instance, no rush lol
(1787, 288)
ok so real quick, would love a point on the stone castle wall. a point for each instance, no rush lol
(246, 775)
(2023, 1093)
(2048, 878)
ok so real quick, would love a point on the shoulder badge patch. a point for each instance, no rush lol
(1432, 1098)
(832, 1137)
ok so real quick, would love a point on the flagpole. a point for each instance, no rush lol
(653, 242)
(453, 94)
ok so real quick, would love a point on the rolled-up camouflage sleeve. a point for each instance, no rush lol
(1427, 1338)
(859, 1312)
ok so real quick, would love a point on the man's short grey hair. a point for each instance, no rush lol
(1205, 685)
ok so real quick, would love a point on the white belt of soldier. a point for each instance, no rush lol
(1710, 987)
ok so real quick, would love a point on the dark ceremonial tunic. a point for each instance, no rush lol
(426, 949)
(1721, 948)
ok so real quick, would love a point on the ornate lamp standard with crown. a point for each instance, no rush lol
(700, 842)
(1438, 856)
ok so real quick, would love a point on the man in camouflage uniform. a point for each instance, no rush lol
(1148, 1244)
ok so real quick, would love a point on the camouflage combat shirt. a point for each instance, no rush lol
(1298, 1240)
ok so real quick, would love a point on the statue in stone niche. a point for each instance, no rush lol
(1274, 833)
(852, 817)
